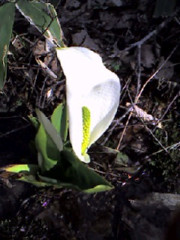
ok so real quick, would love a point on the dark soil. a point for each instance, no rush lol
(143, 50)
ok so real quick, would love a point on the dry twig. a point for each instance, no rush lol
(138, 95)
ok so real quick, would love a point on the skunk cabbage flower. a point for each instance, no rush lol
(92, 93)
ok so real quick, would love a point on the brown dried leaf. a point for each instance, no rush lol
(39, 49)
(147, 56)
(140, 113)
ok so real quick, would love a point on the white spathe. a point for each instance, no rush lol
(88, 84)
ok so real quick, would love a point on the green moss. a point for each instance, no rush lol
(165, 163)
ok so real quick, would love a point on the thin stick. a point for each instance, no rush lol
(139, 95)
(124, 130)
(155, 73)
(170, 104)
(139, 70)
(147, 37)
(173, 146)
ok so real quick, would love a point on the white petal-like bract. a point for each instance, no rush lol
(92, 93)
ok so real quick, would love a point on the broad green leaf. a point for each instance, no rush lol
(50, 129)
(98, 188)
(59, 120)
(69, 171)
(48, 153)
(48, 141)
(57, 117)
(44, 17)
(7, 12)
(28, 173)
(16, 168)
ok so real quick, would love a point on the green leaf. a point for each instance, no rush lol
(58, 167)
(68, 172)
(34, 121)
(98, 188)
(71, 172)
(50, 129)
(59, 120)
(56, 117)
(16, 168)
(48, 140)
(27, 173)
(44, 17)
(7, 12)
(48, 153)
